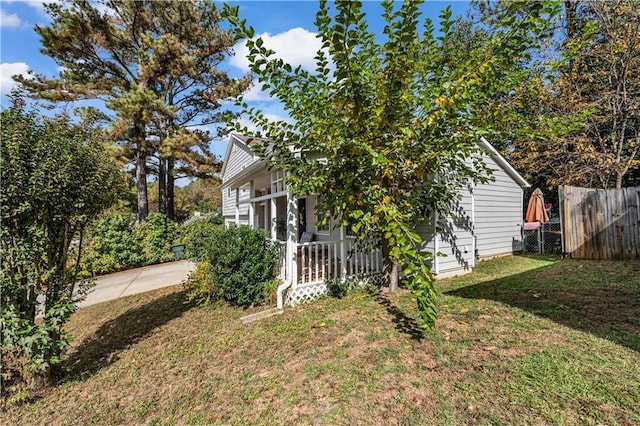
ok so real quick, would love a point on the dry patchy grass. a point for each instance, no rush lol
(525, 340)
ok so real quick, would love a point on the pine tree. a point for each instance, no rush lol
(154, 63)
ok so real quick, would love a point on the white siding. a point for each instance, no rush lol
(428, 240)
(229, 204)
(456, 238)
(498, 214)
(239, 159)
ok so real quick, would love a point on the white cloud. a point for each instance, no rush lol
(255, 94)
(271, 117)
(9, 20)
(7, 70)
(36, 4)
(296, 46)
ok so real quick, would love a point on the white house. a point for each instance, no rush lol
(487, 222)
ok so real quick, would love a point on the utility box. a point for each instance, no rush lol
(178, 251)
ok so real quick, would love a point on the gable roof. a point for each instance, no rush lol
(502, 162)
(483, 143)
(232, 140)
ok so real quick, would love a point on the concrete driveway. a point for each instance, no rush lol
(139, 280)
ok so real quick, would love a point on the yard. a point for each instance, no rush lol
(522, 339)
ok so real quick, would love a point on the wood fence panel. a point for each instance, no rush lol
(600, 223)
(632, 197)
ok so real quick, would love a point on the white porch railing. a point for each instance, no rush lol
(321, 261)
(281, 265)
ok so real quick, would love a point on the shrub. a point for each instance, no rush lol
(242, 264)
(55, 178)
(117, 244)
(236, 263)
(198, 235)
(114, 245)
(156, 237)
(200, 287)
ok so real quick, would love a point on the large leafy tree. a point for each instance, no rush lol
(604, 77)
(393, 119)
(56, 178)
(598, 83)
(154, 63)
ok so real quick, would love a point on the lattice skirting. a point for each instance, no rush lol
(305, 292)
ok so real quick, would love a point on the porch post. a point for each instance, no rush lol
(252, 208)
(274, 219)
(343, 252)
(237, 206)
(292, 238)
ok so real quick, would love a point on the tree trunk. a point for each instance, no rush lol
(162, 185)
(391, 269)
(38, 380)
(171, 205)
(571, 18)
(619, 180)
(141, 184)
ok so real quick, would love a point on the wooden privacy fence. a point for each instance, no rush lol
(600, 223)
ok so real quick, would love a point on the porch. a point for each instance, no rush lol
(322, 261)
(316, 264)
(312, 252)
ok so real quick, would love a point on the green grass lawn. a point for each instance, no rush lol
(520, 341)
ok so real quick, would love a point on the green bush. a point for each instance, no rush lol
(242, 264)
(200, 287)
(156, 236)
(114, 246)
(236, 264)
(118, 244)
(197, 236)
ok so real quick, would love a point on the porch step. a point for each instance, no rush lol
(261, 315)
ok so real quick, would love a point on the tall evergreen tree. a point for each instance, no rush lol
(154, 63)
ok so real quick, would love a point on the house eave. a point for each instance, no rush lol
(502, 162)
(232, 140)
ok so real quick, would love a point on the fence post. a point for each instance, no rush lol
(565, 222)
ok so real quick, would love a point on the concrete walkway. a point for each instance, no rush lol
(139, 280)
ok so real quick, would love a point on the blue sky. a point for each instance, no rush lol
(286, 27)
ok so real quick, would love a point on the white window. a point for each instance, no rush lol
(323, 228)
(277, 181)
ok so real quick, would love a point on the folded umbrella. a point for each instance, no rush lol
(535, 209)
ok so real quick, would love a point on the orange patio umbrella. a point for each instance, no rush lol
(535, 209)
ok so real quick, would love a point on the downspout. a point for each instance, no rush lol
(436, 248)
(280, 293)
(474, 237)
